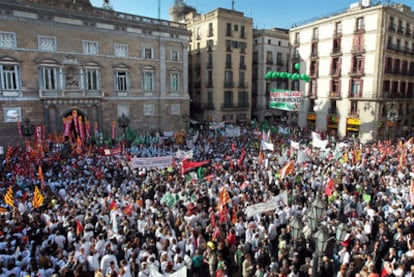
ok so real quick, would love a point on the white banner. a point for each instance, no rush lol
(267, 146)
(278, 201)
(232, 132)
(294, 144)
(181, 154)
(317, 142)
(153, 162)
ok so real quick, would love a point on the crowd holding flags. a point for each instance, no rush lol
(9, 197)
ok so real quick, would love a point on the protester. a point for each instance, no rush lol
(213, 203)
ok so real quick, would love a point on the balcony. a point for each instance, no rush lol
(313, 74)
(242, 35)
(391, 27)
(400, 30)
(228, 84)
(210, 33)
(356, 73)
(242, 85)
(314, 55)
(358, 49)
(209, 85)
(355, 94)
(228, 65)
(334, 95)
(296, 43)
(209, 65)
(279, 63)
(336, 51)
(232, 106)
(335, 72)
(242, 66)
(408, 33)
(269, 61)
(209, 106)
(71, 94)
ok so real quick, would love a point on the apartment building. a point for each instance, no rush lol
(271, 52)
(361, 67)
(64, 58)
(220, 65)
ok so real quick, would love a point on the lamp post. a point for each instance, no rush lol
(296, 226)
(123, 122)
(321, 237)
(27, 129)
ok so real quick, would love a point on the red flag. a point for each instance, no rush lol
(127, 210)
(113, 205)
(79, 227)
(187, 165)
(261, 156)
(223, 215)
(234, 215)
(329, 187)
(240, 160)
(75, 120)
(40, 175)
(233, 147)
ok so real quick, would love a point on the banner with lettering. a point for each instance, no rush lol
(286, 100)
(152, 162)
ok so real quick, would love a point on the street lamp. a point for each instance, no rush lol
(27, 129)
(321, 241)
(123, 122)
(296, 227)
(341, 231)
(317, 207)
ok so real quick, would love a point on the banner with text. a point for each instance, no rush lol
(286, 100)
(152, 162)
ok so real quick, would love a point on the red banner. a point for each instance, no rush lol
(187, 165)
(88, 129)
(68, 122)
(75, 120)
(112, 151)
(81, 129)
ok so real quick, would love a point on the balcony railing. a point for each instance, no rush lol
(209, 106)
(228, 84)
(353, 94)
(353, 114)
(72, 93)
(334, 94)
(358, 49)
(210, 65)
(242, 66)
(242, 85)
(356, 72)
(242, 105)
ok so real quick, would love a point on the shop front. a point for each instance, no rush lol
(352, 127)
(332, 121)
(312, 121)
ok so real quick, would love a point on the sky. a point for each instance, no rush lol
(266, 14)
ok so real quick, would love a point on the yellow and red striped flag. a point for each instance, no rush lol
(3, 210)
(8, 198)
(287, 169)
(37, 198)
(224, 198)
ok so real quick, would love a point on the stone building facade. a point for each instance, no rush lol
(60, 58)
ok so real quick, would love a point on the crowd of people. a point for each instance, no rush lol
(100, 216)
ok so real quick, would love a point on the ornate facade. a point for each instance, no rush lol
(57, 57)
